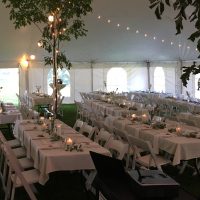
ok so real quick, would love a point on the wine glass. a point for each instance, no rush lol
(38, 87)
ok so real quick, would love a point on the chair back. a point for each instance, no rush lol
(78, 124)
(103, 137)
(87, 130)
(14, 165)
(117, 148)
(120, 134)
(137, 143)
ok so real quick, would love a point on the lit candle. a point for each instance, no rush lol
(42, 119)
(144, 117)
(59, 129)
(68, 141)
(133, 116)
(178, 130)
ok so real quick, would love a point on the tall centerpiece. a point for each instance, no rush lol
(57, 21)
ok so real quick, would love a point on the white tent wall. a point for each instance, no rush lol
(38, 76)
(81, 81)
(171, 81)
(136, 75)
(87, 77)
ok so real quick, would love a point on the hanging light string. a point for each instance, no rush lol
(146, 35)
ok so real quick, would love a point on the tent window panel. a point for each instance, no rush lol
(117, 80)
(159, 80)
(65, 77)
(9, 81)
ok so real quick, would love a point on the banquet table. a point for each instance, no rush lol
(10, 114)
(112, 109)
(182, 147)
(37, 99)
(50, 156)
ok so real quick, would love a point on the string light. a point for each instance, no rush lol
(146, 35)
(51, 18)
(40, 44)
(32, 57)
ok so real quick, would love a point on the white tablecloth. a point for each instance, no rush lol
(50, 156)
(39, 99)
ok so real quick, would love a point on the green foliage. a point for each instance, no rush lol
(181, 6)
(67, 13)
(187, 71)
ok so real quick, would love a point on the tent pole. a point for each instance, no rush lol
(148, 75)
(92, 78)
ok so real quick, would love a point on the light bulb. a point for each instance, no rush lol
(40, 44)
(32, 57)
(51, 18)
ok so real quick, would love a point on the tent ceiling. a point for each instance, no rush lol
(105, 41)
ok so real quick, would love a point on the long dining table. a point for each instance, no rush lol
(50, 155)
(182, 146)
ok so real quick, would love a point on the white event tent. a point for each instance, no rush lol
(126, 47)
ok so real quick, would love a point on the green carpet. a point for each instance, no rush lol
(69, 114)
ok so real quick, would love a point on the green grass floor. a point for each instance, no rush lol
(69, 114)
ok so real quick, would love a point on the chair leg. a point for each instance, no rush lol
(185, 163)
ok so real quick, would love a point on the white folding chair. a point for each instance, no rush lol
(149, 159)
(103, 137)
(87, 130)
(78, 124)
(117, 148)
(25, 163)
(123, 136)
(19, 178)
(20, 152)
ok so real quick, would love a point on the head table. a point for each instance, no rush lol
(50, 156)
